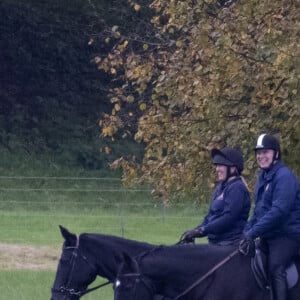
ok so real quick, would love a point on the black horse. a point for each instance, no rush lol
(190, 272)
(87, 256)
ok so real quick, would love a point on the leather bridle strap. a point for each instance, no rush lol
(211, 271)
(72, 292)
(94, 288)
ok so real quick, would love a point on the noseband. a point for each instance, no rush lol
(67, 291)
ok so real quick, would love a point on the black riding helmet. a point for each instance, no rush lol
(266, 141)
(230, 157)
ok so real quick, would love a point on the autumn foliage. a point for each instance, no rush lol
(205, 74)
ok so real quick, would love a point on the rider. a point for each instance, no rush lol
(230, 205)
(276, 217)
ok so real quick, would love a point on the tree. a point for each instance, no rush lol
(219, 74)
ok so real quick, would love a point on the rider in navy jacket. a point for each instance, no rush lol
(276, 217)
(230, 205)
(228, 212)
(277, 204)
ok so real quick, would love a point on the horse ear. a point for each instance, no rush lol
(64, 231)
(67, 235)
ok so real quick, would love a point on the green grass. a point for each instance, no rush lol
(32, 208)
(25, 285)
(32, 227)
(42, 229)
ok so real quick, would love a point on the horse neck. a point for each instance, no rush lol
(179, 266)
(107, 251)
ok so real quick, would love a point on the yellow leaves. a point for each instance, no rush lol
(156, 103)
(246, 172)
(171, 30)
(107, 131)
(281, 57)
(116, 163)
(107, 150)
(143, 106)
(198, 68)
(97, 59)
(219, 82)
(212, 185)
(114, 99)
(136, 7)
(140, 73)
(117, 107)
(109, 125)
(130, 99)
(123, 46)
(115, 31)
(179, 44)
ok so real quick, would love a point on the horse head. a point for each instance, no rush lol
(75, 270)
(130, 283)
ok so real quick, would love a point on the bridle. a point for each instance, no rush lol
(138, 277)
(69, 291)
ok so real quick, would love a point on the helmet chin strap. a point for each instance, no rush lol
(275, 156)
(274, 160)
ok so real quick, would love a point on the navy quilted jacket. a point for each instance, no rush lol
(228, 213)
(277, 204)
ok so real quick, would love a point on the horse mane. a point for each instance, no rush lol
(98, 237)
(205, 249)
(187, 254)
(150, 252)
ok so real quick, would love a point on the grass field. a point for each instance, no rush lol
(36, 198)
(39, 230)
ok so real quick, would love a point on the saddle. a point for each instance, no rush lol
(258, 265)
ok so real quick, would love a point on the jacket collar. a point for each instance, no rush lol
(230, 181)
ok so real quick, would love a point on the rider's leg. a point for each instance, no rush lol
(281, 253)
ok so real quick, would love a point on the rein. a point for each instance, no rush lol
(211, 271)
(71, 291)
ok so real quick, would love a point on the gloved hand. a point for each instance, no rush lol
(247, 246)
(190, 235)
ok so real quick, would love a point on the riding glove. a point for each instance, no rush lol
(190, 235)
(247, 246)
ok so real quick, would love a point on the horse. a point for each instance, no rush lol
(87, 256)
(191, 272)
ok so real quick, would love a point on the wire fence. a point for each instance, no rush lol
(29, 205)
